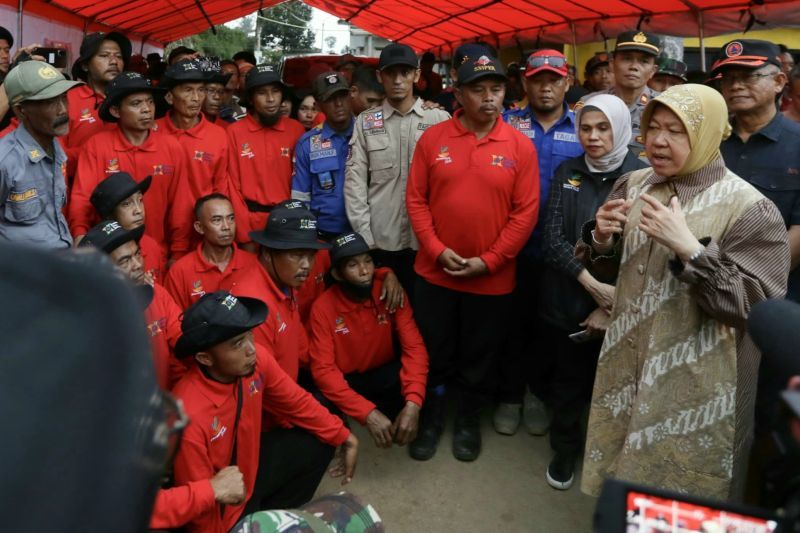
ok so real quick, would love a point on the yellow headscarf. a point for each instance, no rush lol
(705, 117)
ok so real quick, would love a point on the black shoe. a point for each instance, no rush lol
(431, 427)
(561, 472)
(467, 437)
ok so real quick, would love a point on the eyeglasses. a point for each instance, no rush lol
(215, 92)
(727, 80)
(552, 61)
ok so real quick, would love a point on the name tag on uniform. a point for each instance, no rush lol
(566, 137)
(22, 196)
(321, 154)
(422, 126)
(526, 128)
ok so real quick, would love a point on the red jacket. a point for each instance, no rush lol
(177, 506)
(206, 147)
(261, 162)
(283, 332)
(83, 108)
(478, 197)
(207, 443)
(155, 258)
(168, 201)
(192, 276)
(163, 320)
(348, 336)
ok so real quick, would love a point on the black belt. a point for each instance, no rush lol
(256, 207)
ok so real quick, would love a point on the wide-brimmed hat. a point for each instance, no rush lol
(215, 318)
(120, 87)
(91, 44)
(347, 245)
(114, 189)
(109, 235)
(290, 226)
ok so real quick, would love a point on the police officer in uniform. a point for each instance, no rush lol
(321, 154)
(633, 64)
(32, 162)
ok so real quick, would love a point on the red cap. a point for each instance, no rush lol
(542, 60)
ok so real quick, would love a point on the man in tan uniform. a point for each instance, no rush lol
(380, 156)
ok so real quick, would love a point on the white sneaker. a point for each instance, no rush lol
(507, 417)
(535, 415)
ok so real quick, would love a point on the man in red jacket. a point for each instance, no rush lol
(216, 260)
(134, 148)
(232, 381)
(120, 198)
(205, 144)
(102, 58)
(261, 146)
(353, 356)
(162, 315)
(477, 178)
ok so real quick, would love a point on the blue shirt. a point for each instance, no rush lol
(33, 191)
(553, 147)
(318, 179)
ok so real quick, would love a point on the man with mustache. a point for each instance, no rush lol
(216, 259)
(134, 147)
(102, 57)
(205, 144)
(633, 64)
(261, 147)
(381, 149)
(287, 255)
(32, 162)
(473, 198)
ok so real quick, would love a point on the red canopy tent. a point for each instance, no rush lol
(436, 24)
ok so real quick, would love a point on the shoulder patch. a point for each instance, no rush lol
(373, 120)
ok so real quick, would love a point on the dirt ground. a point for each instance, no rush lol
(503, 491)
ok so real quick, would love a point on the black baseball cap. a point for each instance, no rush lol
(109, 235)
(114, 189)
(597, 60)
(672, 67)
(215, 318)
(397, 54)
(91, 44)
(347, 245)
(261, 75)
(120, 87)
(747, 53)
(290, 226)
(327, 84)
(184, 71)
(471, 50)
(638, 41)
(474, 69)
(6, 35)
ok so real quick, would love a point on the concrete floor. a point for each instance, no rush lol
(503, 491)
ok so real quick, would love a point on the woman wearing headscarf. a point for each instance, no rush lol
(694, 247)
(572, 299)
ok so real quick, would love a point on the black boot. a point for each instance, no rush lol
(467, 431)
(431, 426)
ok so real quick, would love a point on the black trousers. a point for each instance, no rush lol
(463, 333)
(402, 264)
(381, 386)
(291, 465)
(528, 355)
(573, 379)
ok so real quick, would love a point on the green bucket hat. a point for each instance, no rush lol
(35, 80)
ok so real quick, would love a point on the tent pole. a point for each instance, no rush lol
(19, 23)
(575, 49)
(702, 41)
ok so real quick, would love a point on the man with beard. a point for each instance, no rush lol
(134, 147)
(32, 162)
(633, 64)
(380, 156)
(321, 153)
(548, 122)
(216, 260)
(205, 144)
(473, 198)
(261, 146)
(102, 57)
(162, 316)
(355, 360)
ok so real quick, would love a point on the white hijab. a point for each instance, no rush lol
(619, 116)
